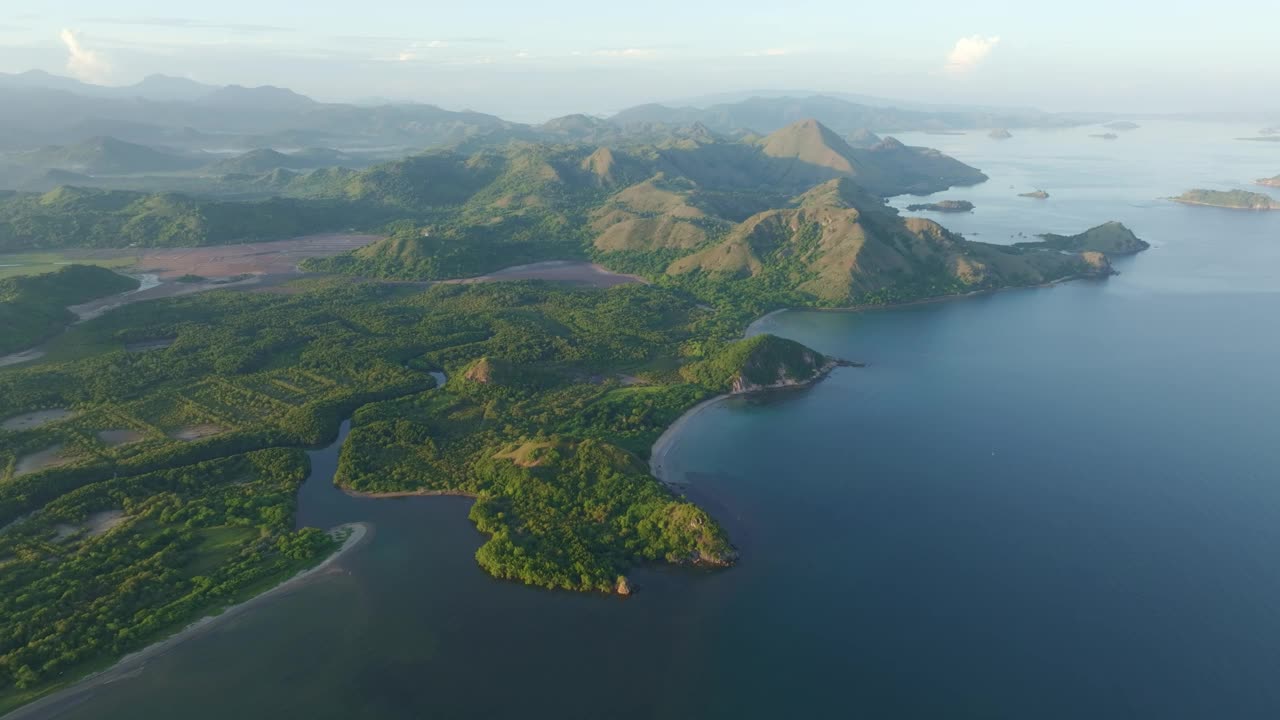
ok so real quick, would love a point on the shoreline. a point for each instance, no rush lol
(667, 440)
(930, 300)
(136, 661)
(1226, 207)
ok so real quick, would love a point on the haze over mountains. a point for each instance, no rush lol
(55, 110)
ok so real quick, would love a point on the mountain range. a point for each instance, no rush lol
(55, 110)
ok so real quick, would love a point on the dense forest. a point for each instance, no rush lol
(34, 308)
(171, 419)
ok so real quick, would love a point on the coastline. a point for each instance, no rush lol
(667, 440)
(1225, 207)
(134, 662)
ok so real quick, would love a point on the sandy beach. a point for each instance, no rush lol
(48, 705)
(666, 441)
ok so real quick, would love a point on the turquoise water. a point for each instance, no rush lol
(1051, 503)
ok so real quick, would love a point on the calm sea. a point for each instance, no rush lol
(1049, 503)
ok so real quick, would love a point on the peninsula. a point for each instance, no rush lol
(944, 206)
(1111, 238)
(1270, 182)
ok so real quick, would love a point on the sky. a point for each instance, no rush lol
(534, 60)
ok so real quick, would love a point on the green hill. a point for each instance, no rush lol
(105, 156)
(839, 245)
(757, 363)
(1112, 238)
(81, 217)
(34, 307)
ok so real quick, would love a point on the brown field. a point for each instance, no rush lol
(222, 261)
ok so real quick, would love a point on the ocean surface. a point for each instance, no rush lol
(1050, 503)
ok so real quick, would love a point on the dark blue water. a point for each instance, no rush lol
(1051, 503)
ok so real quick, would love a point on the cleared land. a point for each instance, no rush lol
(214, 261)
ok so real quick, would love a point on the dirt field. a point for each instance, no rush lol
(223, 261)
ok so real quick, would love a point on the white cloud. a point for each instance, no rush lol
(969, 52)
(768, 52)
(83, 62)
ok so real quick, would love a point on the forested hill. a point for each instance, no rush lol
(34, 307)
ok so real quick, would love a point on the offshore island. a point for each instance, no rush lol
(1231, 199)
(161, 444)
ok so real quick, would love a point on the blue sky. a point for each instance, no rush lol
(531, 60)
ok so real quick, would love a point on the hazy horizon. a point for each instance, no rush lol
(570, 56)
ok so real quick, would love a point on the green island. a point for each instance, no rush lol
(1231, 199)
(1112, 238)
(949, 206)
(149, 462)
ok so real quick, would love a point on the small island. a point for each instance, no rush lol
(1037, 194)
(947, 206)
(1111, 238)
(1231, 199)
(1000, 134)
(1105, 136)
(1122, 125)
(1270, 182)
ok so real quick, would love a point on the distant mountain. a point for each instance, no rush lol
(152, 87)
(104, 156)
(766, 114)
(258, 99)
(876, 101)
(168, 87)
(264, 160)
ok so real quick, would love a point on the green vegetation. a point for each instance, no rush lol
(79, 217)
(38, 263)
(33, 308)
(554, 399)
(108, 568)
(954, 206)
(757, 362)
(1233, 199)
(1112, 238)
